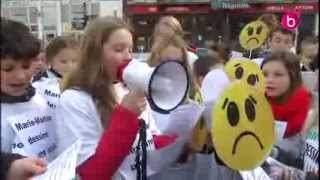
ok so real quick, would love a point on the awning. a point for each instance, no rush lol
(233, 6)
(270, 6)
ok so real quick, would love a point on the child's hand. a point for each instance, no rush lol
(135, 102)
(277, 173)
(25, 168)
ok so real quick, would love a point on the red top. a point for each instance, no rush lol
(294, 111)
(115, 145)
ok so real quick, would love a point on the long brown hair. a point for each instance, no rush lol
(89, 75)
(292, 63)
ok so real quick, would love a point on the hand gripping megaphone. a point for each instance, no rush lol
(166, 85)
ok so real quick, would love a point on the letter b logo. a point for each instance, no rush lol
(290, 20)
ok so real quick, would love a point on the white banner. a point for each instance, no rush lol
(281, 127)
(35, 134)
(64, 166)
(256, 174)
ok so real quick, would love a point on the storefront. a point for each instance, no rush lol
(205, 21)
(197, 18)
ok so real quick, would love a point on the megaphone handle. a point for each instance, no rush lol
(141, 164)
(143, 135)
(138, 166)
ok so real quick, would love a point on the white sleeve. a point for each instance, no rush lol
(191, 57)
(78, 119)
(212, 86)
(258, 61)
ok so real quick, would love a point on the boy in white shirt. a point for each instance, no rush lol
(25, 117)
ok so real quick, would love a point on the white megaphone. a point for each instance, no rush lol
(166, 85)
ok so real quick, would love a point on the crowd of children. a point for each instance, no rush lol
(70, 90)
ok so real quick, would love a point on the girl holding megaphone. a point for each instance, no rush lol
(89, 109)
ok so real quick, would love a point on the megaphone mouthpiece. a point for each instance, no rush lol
(121, 68)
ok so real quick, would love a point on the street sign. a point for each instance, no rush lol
(229, 4)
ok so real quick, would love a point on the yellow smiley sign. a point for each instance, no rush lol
(243, 127)
(246, 70)
(200, 132)
(253, 35)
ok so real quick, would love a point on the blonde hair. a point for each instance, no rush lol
(170, 22)
(164, 42)
(90, 75)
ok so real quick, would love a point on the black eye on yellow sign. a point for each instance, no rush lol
(245, 70)
(253, 35)
(243, 127)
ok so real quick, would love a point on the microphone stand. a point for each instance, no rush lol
(141, 162)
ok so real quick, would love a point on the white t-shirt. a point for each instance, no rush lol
(80, 119)
(259, 61)
(212, 86)
(191, 57)
(27, 128)
(49, 88)
(236, 54)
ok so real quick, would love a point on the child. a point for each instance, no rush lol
(201, 140)
(289, 99)
(222, 50)
(202, 67)
(170, 26)
(279, 39)
(39, 64)
(107, 128)
(309, 50)
(25, 117)
(169, 47)
(61, 54)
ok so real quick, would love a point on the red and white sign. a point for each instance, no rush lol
(206, 8)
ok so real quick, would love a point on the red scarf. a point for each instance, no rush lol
(294, 111)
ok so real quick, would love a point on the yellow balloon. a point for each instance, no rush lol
(246, 70)
(253, 35)
(200, 132)
(243, 127)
